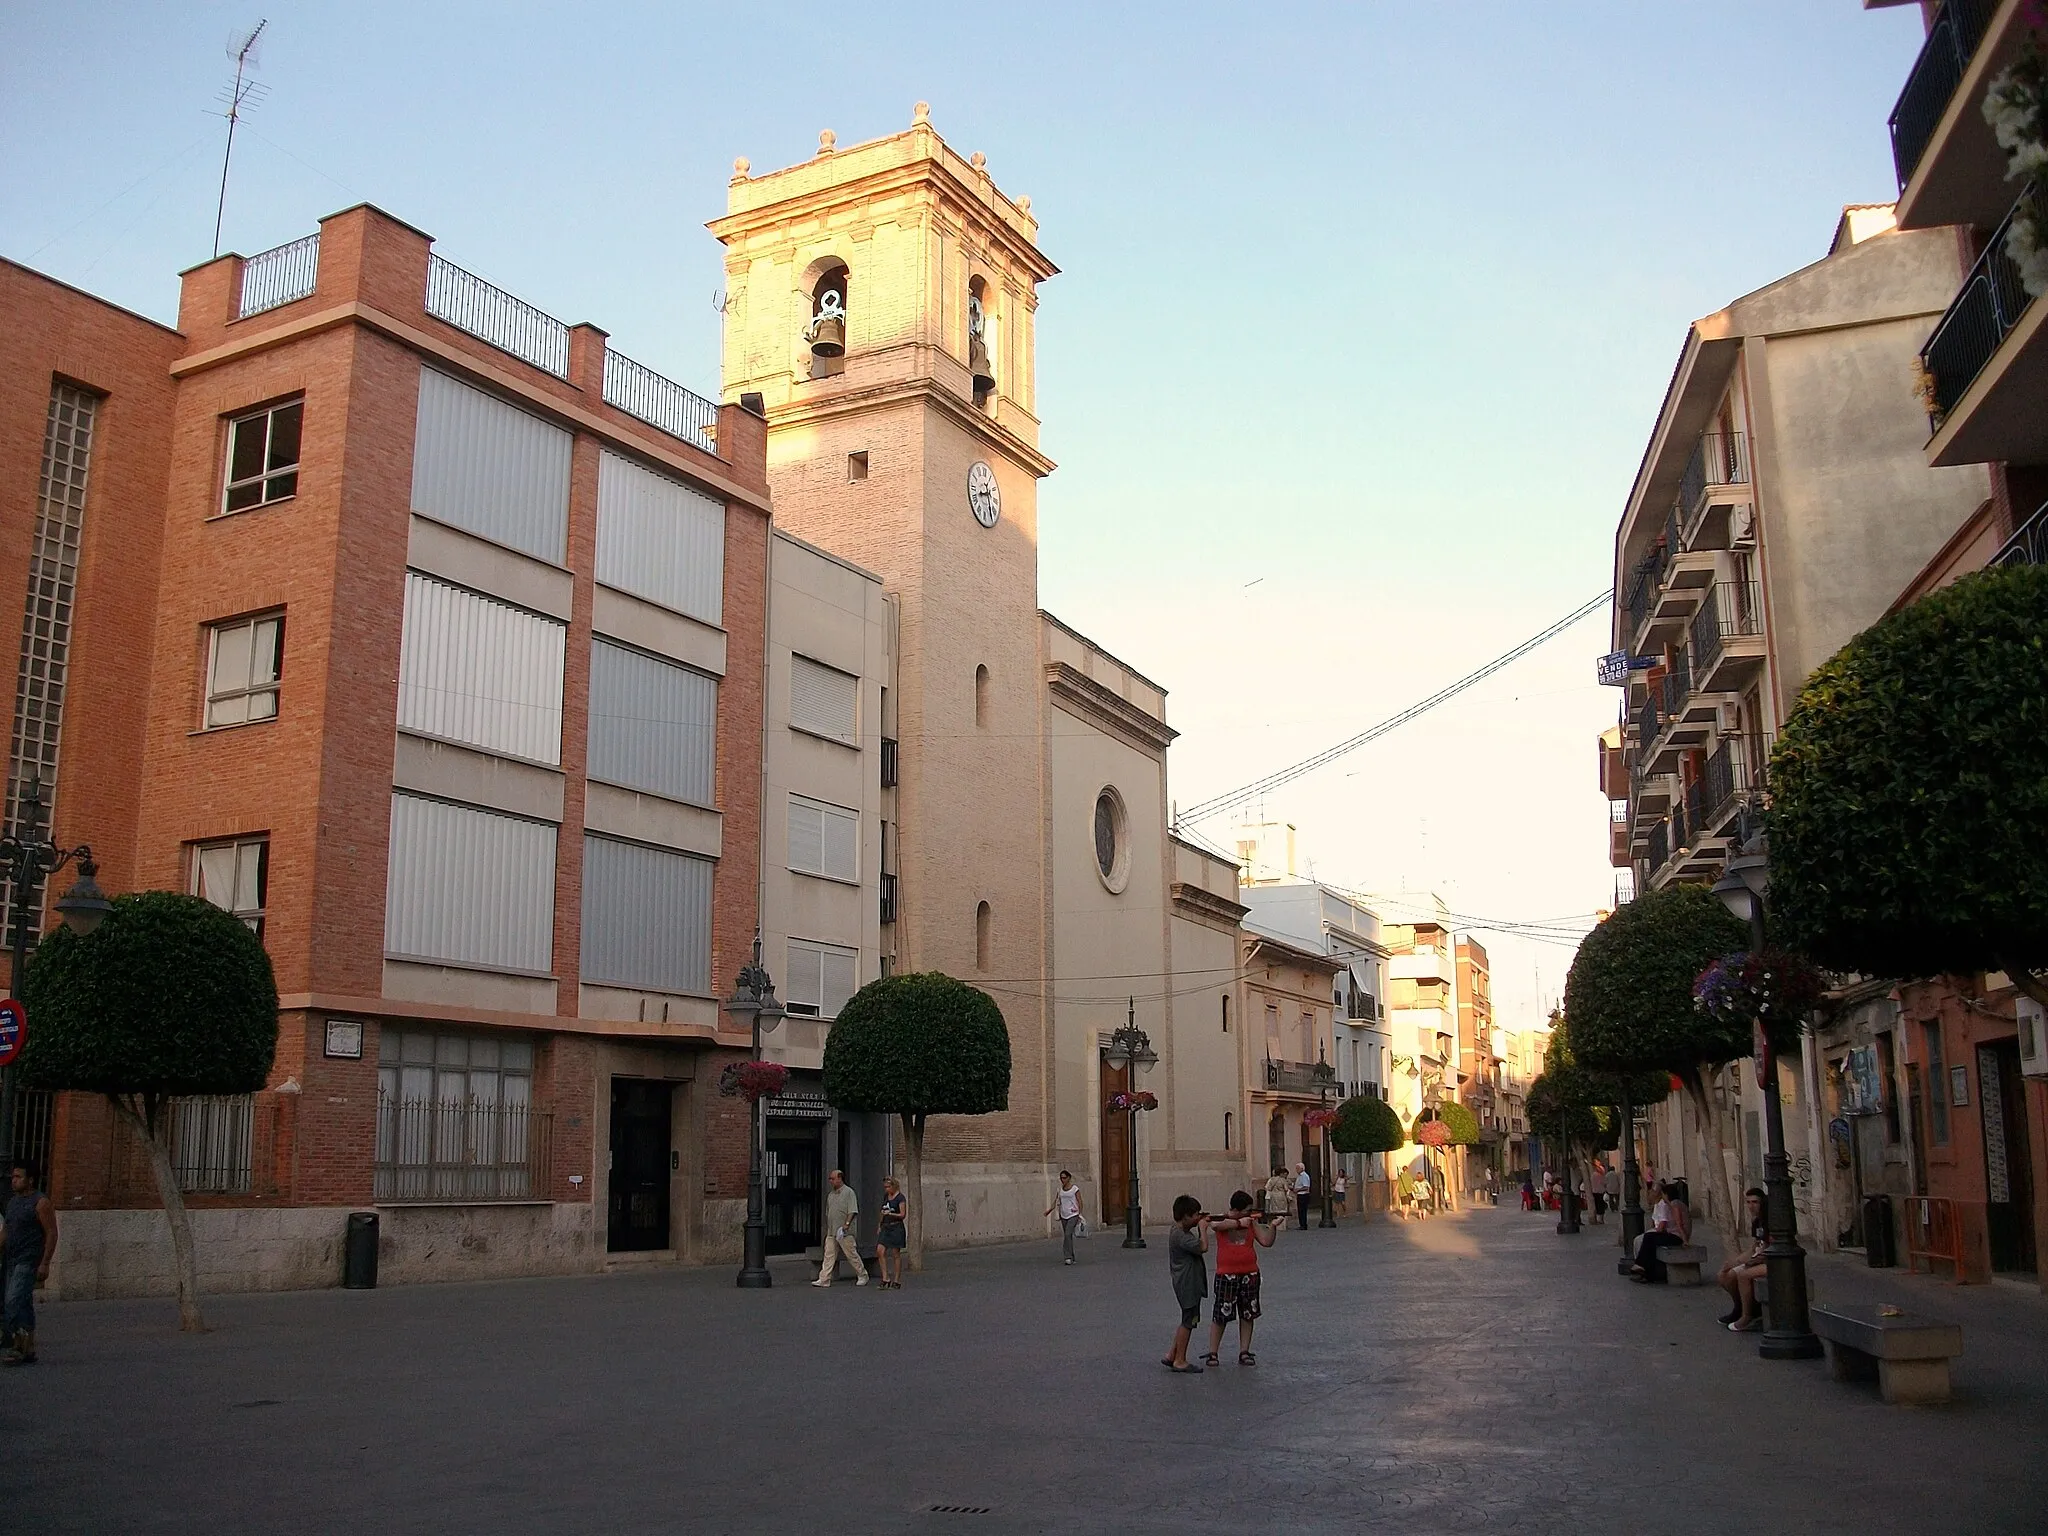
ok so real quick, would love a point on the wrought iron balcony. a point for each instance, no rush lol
(1718, 459)
(2029, 542)
(1317, 1079)
(1735, 613)
(1983, 313)
(1735, 776)
(888, 898)
(1931, 85)
(889, 762)
(278, 276)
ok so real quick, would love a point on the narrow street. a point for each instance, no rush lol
(1473, 1372)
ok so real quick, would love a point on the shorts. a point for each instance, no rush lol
(890, 1235)
(1191, 1317)
(1237, 1298)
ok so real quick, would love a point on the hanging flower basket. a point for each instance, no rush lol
(1773, 987)
(1433, 1133)
(752, 1080)
(1316, 1119)
(1140, 1100)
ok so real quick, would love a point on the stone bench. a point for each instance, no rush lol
(1908, 1353)
(1682, 1265)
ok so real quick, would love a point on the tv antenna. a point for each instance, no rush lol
(244, 95)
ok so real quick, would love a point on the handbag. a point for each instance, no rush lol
(1082, 1229)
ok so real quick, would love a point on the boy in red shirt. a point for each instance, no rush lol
(1239, 1237)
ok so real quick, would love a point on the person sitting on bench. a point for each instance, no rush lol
(1739, 1275)
(1670, 1227)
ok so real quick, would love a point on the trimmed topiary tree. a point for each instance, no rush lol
(1909, 791)
(1460, 1122)
(1367, 1125)
(914, 1046)
(170, 997)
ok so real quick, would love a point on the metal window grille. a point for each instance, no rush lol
(211, 1143)
(639, 391)
(35, 1122)
(491, 314)
(245, 663)
(235, 876)
(279, 275)
(263, 457)
(461, 1149)
(47, 609)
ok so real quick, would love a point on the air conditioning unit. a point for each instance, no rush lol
(2033, 1037)
(1742, 526)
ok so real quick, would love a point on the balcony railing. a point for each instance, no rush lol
(1983, 313)
(1732, 777)
(279, 276)
(661, 402)
(443, 1151)
(1945, 56)
(1736, 609)
(888, 898)
(1645, 579)
(1718, 458)
(1311, 1077)
(890, 763)
(1660, 848)
(2029, 542)
(491, 314)
(1676, 688)
(1649, 721)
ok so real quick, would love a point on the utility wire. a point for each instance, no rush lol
(1209, 809)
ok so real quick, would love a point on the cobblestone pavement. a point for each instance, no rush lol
(1476, 1372)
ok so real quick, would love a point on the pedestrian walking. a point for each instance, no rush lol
(1067, 1201)
(1185, 1246)
(1303, 1185)
(1340, 1189)
(842, 1211)
(1404, 1188)
(891, 1236)
(1596, 1186)
(1611, 1186)
(1278, 1194)
(1239, 1237)
(28, 1241)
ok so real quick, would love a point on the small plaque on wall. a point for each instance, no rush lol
(345, 1039)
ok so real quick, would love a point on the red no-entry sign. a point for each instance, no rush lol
(13, 1030)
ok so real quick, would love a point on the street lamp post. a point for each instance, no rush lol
(1131, 1048)
(1326, 1090)
(29, 856)
(1789, 1335)
(1568, 1210)
(754, 999)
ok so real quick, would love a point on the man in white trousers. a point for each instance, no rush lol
(842, 1214)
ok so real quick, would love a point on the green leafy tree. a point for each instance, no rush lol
(1367, 1125)
(169, 997)
(1909, 791)
(914, 1046)
(1460, 1122)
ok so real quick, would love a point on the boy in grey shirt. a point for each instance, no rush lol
(1186, 1244)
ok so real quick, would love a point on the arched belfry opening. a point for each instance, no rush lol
(980, 326)
(825, 335)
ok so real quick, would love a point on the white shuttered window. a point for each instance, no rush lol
(653, 724)
(823, 839)
(490, 468)
(821, 978)
(646, 917)
(823, 700)
(470, 887)
(481, 672)
(658, 539)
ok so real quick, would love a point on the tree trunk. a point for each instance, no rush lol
(1713, 1158)
(184, 1256)
(2028, 983)
(913, 1154)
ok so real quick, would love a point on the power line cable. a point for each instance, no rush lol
(1216, 805)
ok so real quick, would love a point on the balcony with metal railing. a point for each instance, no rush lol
(279, 276)
(1727, 637)
(1307, 1079)
(888, 910)
(1734, 778)
(2029, 542)
(1952, 41)
(661, 402)
(491, 314)
(1986, 362)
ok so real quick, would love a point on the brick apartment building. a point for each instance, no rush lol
(426, 633)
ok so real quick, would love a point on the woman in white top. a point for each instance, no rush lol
(1067, 1201)
(1670, 1227)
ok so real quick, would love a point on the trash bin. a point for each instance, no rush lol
(1880, 1246)
(359, 1252)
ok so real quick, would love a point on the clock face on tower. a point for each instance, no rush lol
(983, 497)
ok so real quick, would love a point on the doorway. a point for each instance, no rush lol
(1116, 1146)
(637, 1219)
(2008, 1158)
(790, 1178)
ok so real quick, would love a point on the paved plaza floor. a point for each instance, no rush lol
(1475, 1372)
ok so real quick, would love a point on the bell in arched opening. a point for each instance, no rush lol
(978, 364)
(826, 333)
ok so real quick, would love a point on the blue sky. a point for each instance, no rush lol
(1364, 316)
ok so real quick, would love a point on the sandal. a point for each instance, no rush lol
(1189, 1369)
(1210, 1359)
(1246, 1357)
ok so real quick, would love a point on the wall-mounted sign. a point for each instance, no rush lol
(13, 1030)
(798, 1104)
(1862, 1086)
(345, 1039)
(1959, 1086)
(1615, 667)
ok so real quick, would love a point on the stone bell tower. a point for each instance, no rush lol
(880, 301)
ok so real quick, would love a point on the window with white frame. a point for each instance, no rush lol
(211, 1139)
(235, 876)
(824, 701)
(821, 977)
(824, 840)
(455, 1118)
(244, 661)
(263, 456)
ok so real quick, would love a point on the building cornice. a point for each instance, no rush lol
(1096, 704)
(1205, 906)
(925, 390)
